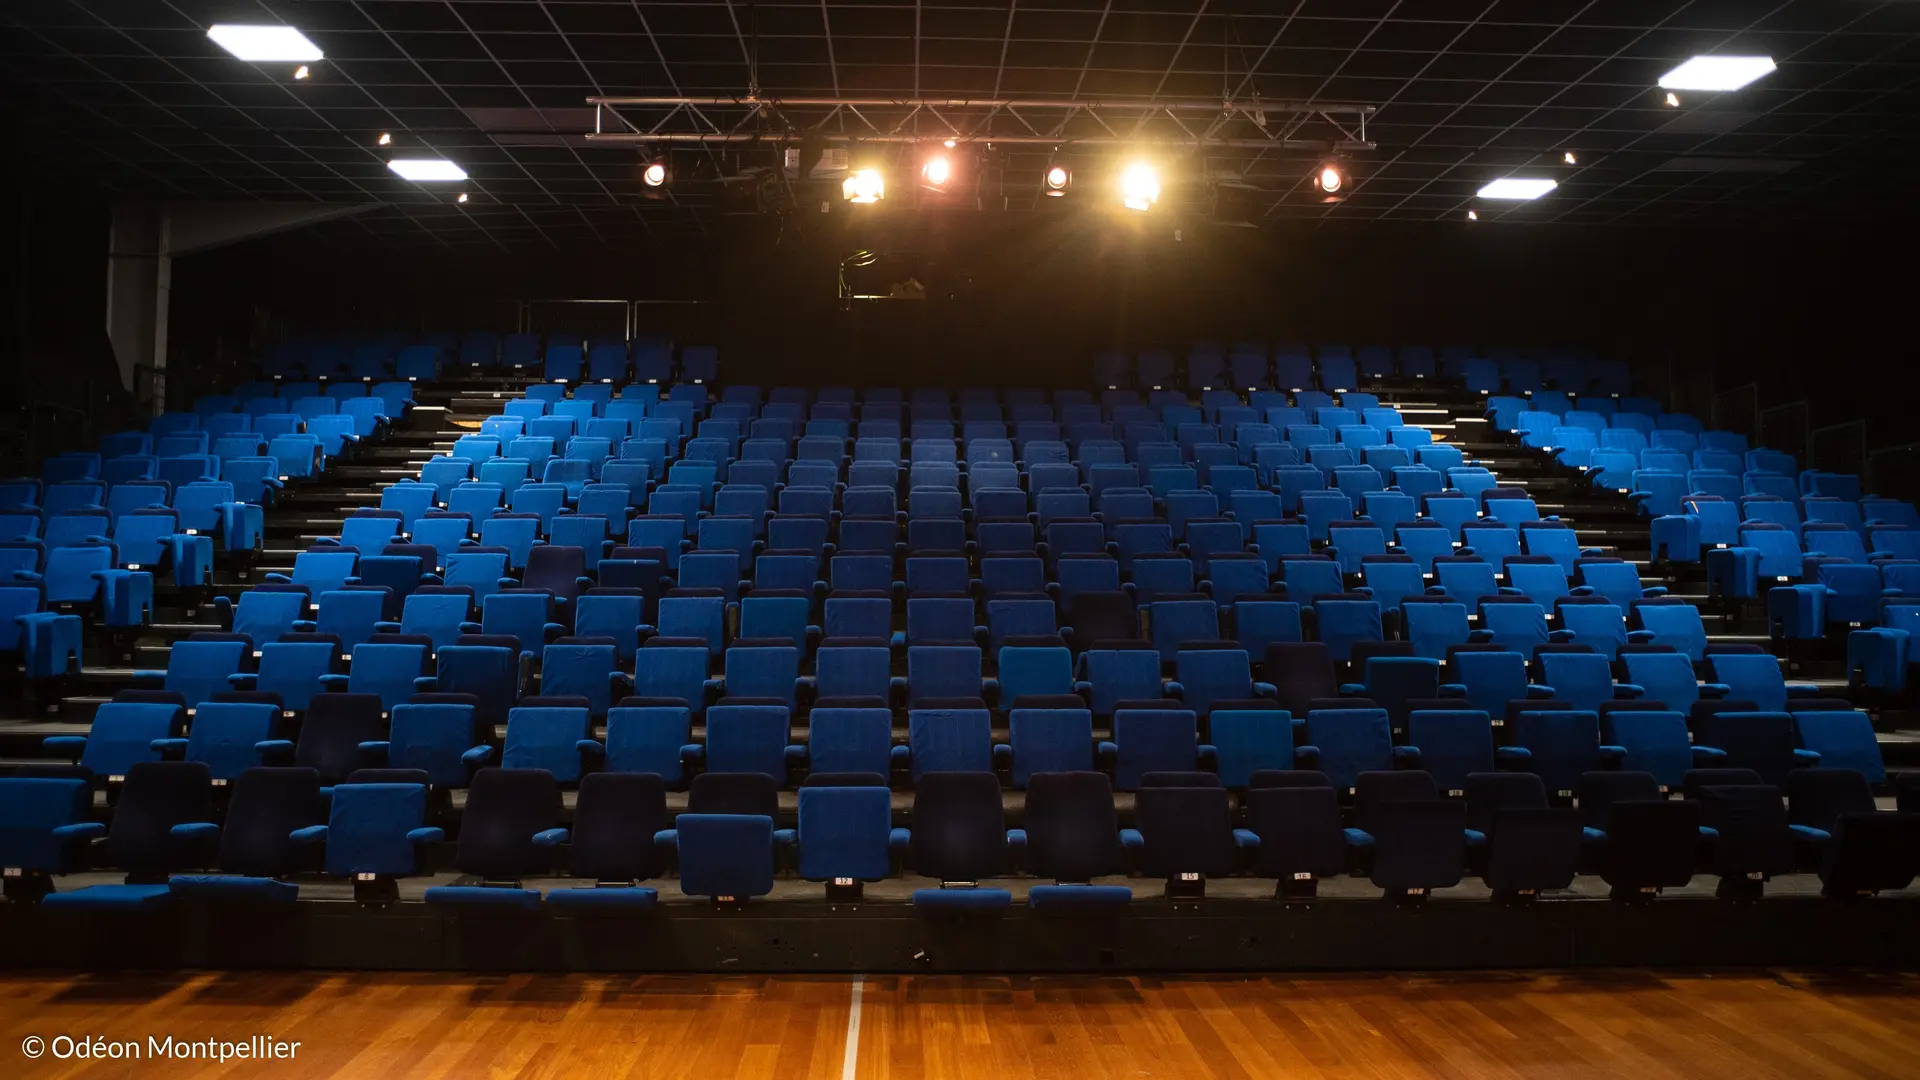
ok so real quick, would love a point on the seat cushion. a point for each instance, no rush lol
(481, 896)
(962, 901)
(232, 887)
(110, 898)
(1071, 897)
(621, 898)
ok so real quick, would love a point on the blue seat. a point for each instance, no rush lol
(948, 739)
(649, 739)
(1652, 742)
(850, 740)
(161, 823)
(508, 832)
(583, 668)
(1351, 741)
(1762, 741)
(728, 857)
(225, 737)
(1453, 745)
(1072, 837)
(122, 734)
(1559, 746)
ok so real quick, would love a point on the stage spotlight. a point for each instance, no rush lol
(1673, 100)
(1473, 215)
(949, 144)
(864, 186)
(301, 72)
(655, 174)
(937, 171)
(1057, 179)
(1330, 178)
(1139, 186)
(386, 138)
(1569, 158)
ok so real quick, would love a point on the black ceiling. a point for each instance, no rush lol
(131, 95)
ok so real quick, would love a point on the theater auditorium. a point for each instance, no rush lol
(978, 538)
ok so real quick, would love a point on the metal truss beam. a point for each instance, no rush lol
(1055, 122)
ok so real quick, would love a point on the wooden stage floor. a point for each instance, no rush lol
(1749, 1025)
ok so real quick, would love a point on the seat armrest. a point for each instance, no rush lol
(312, 834)
(376, 746)
(194, 830)
(1512, 755)
(550, 837)
(1714, 691)
(476, 756)
(426, 835)
(1406, 755)
(1706, 756)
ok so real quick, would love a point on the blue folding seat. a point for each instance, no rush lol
(1762, 741)
(845, 836)
(1451, 745)
(1352, 741)
(849, 740)
(1843, 739)
(1489, 680)
(1072, 837)
(1756, 677)
(1466, 578)
(509, 830)
(1514, 623)
(1667, 677)
(1652, 742)
(762, 668)
(1048, 740)
(1452, 510)
(197, 670)
(1343, 620)
(943, 671)
(1121, 672)
(1432, 624)
(122, 734)
(1295, 819)
(853, 668)
(748, 739)
(1615, 579)
(292, 670)
(947, 739)
(694, 614)
(162, 822)
(1559, 746)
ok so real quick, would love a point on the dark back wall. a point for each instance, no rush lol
(1027, 299)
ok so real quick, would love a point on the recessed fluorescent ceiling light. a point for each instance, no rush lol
(1517, 187)
(421, 170)
(1717, 72)
(264, 44)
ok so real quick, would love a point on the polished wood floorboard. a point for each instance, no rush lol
(1746, 1025)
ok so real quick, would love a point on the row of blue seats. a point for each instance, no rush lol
(725, 846)
(442, 735)
(1335, 367)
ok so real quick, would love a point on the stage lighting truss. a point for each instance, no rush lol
(910, 137)
(1194, 123)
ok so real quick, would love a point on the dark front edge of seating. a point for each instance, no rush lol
(1146, 935)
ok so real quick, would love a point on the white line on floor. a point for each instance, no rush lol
(850, 1058)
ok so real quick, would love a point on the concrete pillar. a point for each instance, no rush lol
(139, 280)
